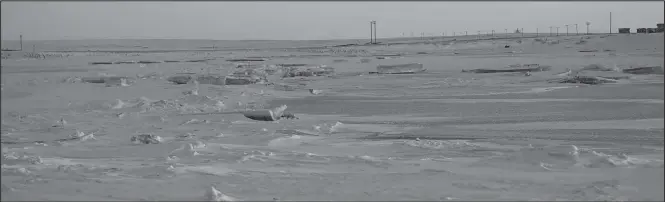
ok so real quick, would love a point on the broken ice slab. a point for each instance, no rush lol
(399, 69)
(387, 55)
(530, 69)
(104, 79)
(249, 72)
(125, 62)
(211, 79)
(597, 67)
(644, 70)
(146, 139)
(291, 65)
(215, 195)
(101, 63)
(245, 80)
(148, 62)
(247, 75)
(591, 80)
(269, 114)
(180, 79)
(247, 65)
(261, 115)
(524, 65)
(246, 60)
(309, 71)
(198, 60)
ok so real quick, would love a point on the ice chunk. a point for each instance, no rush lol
(184, 151)
(400, 69)
(211, 79)
(246, 80)
(180, 79)
(644, 70)
(528, 69)
(213, 194)
(105, 79)
(267, 115)
(587, 80)
(308, 71)
(315, 92)
(146, 139)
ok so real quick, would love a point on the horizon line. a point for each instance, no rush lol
(332, 39)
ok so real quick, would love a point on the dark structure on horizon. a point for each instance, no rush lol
(624, 30)
(642, 30)
(660, 27)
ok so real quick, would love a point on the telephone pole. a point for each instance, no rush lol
(374, 31)
(577, 32)
(371, 32)
(610, 22)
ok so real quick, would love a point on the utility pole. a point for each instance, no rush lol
(551, 30)
(371, 32)
(557, 31)
(610, 22)
(374, 31)
(587, 27)
(577, 32)
(466, 33)
(21, 41)
(522, 31)
(506, 33)
(536, 32)
(492, 33)
(566, 30)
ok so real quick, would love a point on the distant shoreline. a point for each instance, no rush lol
(325, 43)
(282, 40)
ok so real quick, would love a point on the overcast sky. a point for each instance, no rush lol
(308, 20)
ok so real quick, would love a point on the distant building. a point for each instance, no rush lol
(624, 30)
(652, 30)
(641, 30)
(660, 27)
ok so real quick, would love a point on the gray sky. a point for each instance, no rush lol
(308, 20)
